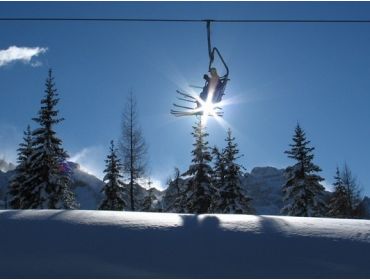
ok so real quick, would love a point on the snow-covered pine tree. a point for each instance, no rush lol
(175, 197)
(18, 190)
(231, 196)
(148, 202)
(339, 206)
(219, 168)
(112, 189)
(173, 191)
(303, 193)
(176, 180)
(50, 184)
(200, 191)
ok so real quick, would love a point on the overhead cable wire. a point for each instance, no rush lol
(186, 20)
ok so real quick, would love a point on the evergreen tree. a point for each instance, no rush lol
(113, 187)
(219, 167)
(303, 192)
(49, 182)
(18, 190)
(198, 196)
(176, 180)
(175, 198)
(352, 189)
(148, 201)
(132, 147)
(231, 196)
(179, 204)
(339, 205)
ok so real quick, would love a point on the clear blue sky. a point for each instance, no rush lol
(317, 74)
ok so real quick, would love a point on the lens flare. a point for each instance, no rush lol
(206, 108)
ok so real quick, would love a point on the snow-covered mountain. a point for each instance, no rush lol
(6, 166)
(263, 185)
(86, 187)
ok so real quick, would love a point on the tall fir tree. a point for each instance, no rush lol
(219, 169)
(176, 180)
(303, 193)
(200, 191)
(149, 201)
(49, 182)
(339, 205)
(113, 187)
(133, 148)
(231, 197)
(352, 189)
(18, 190)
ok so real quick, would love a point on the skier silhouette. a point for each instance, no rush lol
(211, 85)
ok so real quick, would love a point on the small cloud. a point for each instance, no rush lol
(154, 183)
(23, 54)
(91, 160)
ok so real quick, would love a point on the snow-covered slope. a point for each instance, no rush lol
(107, 244)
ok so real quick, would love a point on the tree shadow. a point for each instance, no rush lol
(14, 214)
(200, 222)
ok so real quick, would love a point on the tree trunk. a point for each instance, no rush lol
(131, 163)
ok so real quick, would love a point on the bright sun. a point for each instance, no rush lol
(208, 108)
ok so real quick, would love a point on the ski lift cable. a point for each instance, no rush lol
(187, 20)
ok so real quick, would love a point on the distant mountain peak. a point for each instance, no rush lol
(266, 171)
(6, 166)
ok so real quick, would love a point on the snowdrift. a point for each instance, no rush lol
(107, 244)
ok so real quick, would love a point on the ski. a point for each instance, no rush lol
(187, 100)
(184, 107)
(186, 94)
(183, 113)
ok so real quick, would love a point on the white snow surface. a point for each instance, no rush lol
(109, 244)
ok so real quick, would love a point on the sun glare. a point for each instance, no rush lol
(206, 108)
